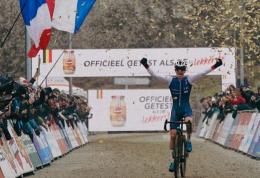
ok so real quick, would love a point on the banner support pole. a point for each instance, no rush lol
(70, 78)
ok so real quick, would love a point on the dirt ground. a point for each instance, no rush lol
(147, 156)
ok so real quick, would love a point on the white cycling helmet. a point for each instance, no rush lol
(181, 64)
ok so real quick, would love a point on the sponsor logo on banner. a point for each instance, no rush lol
(117, 111)
(69, 62)
(130, 110)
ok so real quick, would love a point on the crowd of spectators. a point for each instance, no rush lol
(27, 107)
(231, 101)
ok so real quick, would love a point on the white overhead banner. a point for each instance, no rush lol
(129, 110)
(126, 62)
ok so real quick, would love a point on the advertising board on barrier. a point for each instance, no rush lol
(211, 124)
(19, 151)
(8, 165)
(232, 131)
(255, 146)
(71, 136)
(241, 133)
(28, 166)
(203, 129)
(82, 139)
(5, 170)
(57, 133)
(249, 134)
(34, 157)
(225, 130)
(126, 62)
(77, 135)
(84, 131)
(42, 148)
(129, 110)
(213, 127)
(66, 138)
(199, 127)
(52, 142)
(217, 130)
(238, 136)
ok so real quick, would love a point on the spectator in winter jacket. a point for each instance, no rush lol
(236, 98)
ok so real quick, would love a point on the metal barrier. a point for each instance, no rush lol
(240, 134)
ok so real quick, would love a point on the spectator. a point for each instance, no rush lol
(255, 102)
(28, 107)
(232, 100)
(236, 98)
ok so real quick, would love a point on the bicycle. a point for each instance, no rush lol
(179, 154)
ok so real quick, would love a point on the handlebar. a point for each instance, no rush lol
(174, 122)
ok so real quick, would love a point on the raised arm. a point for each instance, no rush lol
(193, 79)
(36, 75)
(165, 79)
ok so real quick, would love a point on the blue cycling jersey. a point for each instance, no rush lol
(180, 91)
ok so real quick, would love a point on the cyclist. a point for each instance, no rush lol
(180, 88)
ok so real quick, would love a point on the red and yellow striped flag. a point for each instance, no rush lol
(47, 56)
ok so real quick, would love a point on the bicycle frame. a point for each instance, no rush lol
(180, 164)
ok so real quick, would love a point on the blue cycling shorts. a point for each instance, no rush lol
(178, 113)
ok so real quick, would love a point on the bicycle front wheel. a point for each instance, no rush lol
(183, 154)
(177, 155)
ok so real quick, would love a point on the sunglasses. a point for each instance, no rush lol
(180, 68)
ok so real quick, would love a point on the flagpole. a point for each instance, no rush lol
(70, 78)
(28, 61)
(242, 72)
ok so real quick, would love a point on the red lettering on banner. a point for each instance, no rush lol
(155, 118)
(212, 60)
(201, 61)
(207, 60)
(204, 61)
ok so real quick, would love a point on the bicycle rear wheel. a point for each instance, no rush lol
(183, 154)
